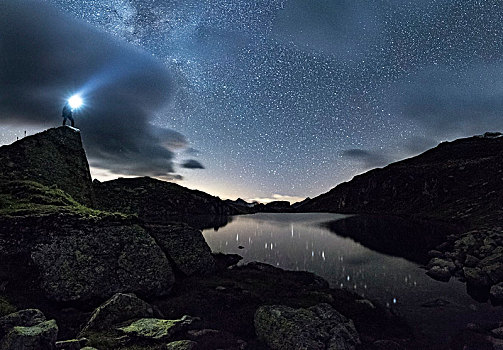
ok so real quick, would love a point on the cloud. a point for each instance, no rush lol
(370, 159)
(276, 197)
(46, 56)
(192, 164)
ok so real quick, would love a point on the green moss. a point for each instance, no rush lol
(19, 198)
(6, 307)
(111, 340)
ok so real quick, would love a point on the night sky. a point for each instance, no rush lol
(253, 99)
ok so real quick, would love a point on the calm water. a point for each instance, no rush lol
(300, 242)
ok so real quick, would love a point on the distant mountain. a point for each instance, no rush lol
(157, 201)
(459, 180)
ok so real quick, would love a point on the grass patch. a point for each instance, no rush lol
(19, 198)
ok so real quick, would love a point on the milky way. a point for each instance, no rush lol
(293, 97)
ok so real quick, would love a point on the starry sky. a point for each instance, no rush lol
(265, 99)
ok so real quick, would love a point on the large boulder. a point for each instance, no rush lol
(28, 329)
(119, 308)
(185, 246)
(24, 318)
(52, 157)
(318, 327)
(83, 262)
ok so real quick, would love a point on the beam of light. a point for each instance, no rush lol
(75, 101)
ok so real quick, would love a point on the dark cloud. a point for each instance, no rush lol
(369, 159)
(46, 56)
(192, 164)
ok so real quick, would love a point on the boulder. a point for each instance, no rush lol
(119, 308)
(185, 246)
(496, 292)
(318, 327)
(498, 332)
(72, 344)
(84, 262)
(435, 254)
(41, 337)
(439, 273)
(471, 261)
(476, 277)
(494, 272)
(23, 318)
(493, 259)
(156, 329)
(180, 345)
(442, 263)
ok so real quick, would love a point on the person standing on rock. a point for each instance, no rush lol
(67, 114)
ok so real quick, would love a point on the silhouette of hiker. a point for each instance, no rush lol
(67, 114)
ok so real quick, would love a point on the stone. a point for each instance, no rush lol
(492, 259)
(435, 254)
(498, 332)
(180, 345)
(496, 292)
(41, 337)
(494, 272)
(156, 329)
(23, 318)
(476, 277)
(471, 261)
(119, 308)
(185, 246)
(72, 344)
(318, 327)
(96, 261)
(439, 273)
(442, 263)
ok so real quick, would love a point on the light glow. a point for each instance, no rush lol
(75, 101)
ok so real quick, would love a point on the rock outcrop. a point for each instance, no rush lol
(319, 327)
(52, 157)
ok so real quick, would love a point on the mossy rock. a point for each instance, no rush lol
(156, 329)
(41, 337)
(180, 345)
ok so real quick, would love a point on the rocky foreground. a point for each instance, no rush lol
(90, 269)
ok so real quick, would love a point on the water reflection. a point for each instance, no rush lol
(394, 235)
(302, 242)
